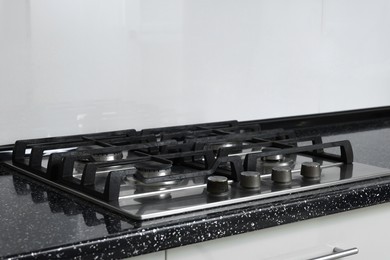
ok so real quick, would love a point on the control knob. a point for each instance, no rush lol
(281, 175)
(217, 185)
(311, 171)
(250, 180)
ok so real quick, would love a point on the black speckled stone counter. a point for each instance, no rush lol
(40, 222)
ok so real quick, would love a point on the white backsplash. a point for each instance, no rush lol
(69, 67)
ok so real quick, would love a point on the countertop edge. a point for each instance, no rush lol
(292, 208)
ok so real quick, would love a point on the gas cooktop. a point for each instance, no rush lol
(176, 170)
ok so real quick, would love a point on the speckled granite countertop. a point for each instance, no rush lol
(40, 222)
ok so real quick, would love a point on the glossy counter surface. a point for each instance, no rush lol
(40, 222)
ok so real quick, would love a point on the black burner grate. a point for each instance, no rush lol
(225, 148)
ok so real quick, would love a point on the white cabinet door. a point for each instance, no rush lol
(366, 229)
(153, 256)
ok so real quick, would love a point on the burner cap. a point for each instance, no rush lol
(152, 166)
(217, 146)
(101, 157)
(276, 157)
(107, 157)
(150, 169)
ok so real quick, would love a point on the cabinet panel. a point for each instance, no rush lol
(154, 256)
(364, 228)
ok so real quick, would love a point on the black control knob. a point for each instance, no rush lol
(311, 170)
(250, 180)
(217, 185)
(281, 175)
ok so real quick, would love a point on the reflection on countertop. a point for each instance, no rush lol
(37, 217)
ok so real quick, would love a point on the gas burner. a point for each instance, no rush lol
(141, 187)
(152, 169)
(272, 158)
(100, 157)
(229, 144)
(107, 157)
(79, 165)
(216, 146)
(265, 164)
(168, 177)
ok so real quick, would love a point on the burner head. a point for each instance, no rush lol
(150, 169)
(141, 187)
(272, 158)
(235, 144)
(216, 146)
(107, 157)
(265, 164)
(101, 157)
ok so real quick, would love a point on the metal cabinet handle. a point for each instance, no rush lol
(337, 254)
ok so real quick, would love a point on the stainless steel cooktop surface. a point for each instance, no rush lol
(163, 172)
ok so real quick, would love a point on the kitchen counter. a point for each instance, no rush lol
(41, 222)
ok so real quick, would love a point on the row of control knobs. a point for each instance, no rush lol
(218, 185)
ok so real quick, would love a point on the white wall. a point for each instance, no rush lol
(69, 67)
